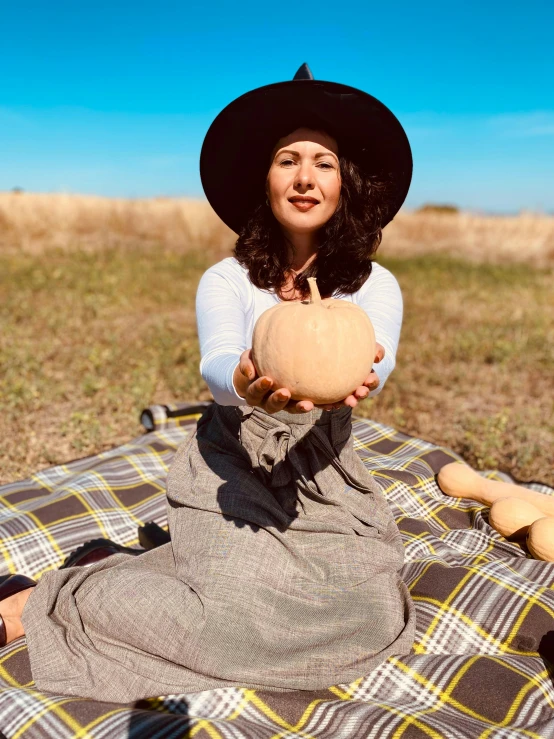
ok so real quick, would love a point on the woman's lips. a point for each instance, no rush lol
(303, 204)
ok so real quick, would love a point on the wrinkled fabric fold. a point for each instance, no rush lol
(320, 439)
(282, 573)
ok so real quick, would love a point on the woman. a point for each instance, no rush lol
(283, 567)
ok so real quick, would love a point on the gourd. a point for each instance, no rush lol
(320, 349)
(540, 539)
(461, 481)
(512, 517)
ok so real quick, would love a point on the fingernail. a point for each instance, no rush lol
(265, 384)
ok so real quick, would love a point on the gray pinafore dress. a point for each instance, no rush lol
(282, 573)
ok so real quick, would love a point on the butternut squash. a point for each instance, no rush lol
(512, 517)
(461, 481)
(320, 349)
(540, 539)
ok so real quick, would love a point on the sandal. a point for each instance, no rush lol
(94, 551)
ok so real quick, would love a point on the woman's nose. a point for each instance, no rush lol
(304, 176)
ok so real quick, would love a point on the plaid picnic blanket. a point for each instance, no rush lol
(482, 661)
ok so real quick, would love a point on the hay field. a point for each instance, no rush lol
(97, 322)
(33, 223)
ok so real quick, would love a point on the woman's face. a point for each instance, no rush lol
(303, 183)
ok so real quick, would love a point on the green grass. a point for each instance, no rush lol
(90, 339)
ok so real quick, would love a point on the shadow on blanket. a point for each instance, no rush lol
(481, 664)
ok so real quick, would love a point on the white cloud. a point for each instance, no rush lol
(523, 125)
(519, 125)
(11, 117)
(163, 161)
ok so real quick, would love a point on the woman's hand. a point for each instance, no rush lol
(363, 391)
(260, 391)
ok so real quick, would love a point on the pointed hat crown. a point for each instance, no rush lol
(303, 73)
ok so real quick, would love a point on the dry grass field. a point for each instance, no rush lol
(97, 322)
(33, 224)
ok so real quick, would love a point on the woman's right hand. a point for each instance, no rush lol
(259, 391)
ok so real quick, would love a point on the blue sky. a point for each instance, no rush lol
(114, 98)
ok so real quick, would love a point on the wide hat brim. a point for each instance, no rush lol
(235, 155)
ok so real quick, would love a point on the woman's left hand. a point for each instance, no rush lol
(363, 391)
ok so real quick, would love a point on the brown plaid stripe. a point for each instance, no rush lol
(481, 665)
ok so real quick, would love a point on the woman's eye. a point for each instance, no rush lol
(289, 162)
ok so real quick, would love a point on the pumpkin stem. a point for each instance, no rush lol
(315, 297)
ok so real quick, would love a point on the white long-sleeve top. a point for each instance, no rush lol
(228, 305)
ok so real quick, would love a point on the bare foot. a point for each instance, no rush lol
(11, 610)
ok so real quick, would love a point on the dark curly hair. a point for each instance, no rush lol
(347, 241)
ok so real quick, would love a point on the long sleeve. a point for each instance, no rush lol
(221, 314)
(381, 299)
(220, 321)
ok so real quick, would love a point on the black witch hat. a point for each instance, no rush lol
(235, 155)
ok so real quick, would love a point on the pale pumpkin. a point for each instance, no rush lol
(512, 517)
(540, 539)
(320, 349)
